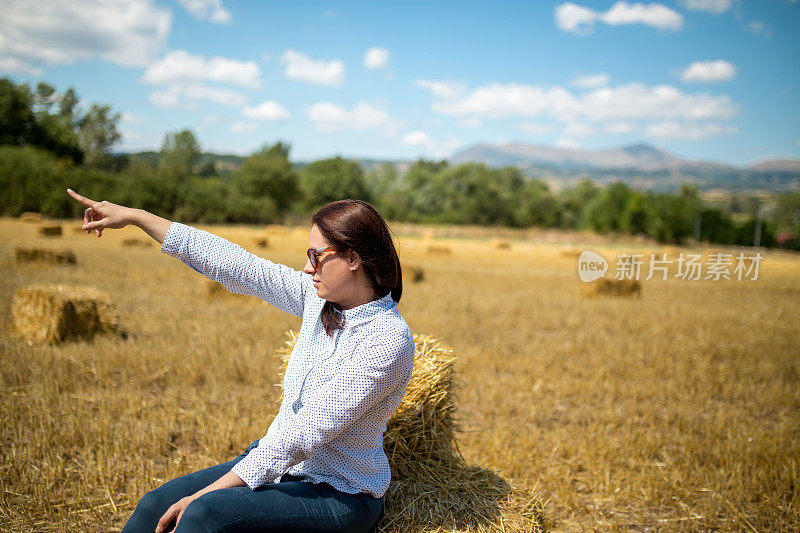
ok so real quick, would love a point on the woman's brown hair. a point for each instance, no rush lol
(356, 225)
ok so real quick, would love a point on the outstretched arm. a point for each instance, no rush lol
(101, 215)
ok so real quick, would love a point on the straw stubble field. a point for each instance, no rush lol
(678, 410)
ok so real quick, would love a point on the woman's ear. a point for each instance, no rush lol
(354, 260)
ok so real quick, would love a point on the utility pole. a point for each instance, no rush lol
(697, 218)
(757, 236)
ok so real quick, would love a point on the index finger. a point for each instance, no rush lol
(82, 199)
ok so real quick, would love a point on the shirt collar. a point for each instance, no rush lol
(366, 311)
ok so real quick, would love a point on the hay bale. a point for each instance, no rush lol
(137, 243)
(438, 249)
(501, 244)
(51, 230)
(630, 288)
(416, 272)
(218, 292)
(432, 486)
(30, 216)
(57, 313)
(262, 242)
(39, 255)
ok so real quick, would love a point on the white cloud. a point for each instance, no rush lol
(376, 58)
(442, 89)
(570, 144)
(688, 131)
(574, 18)
(14, 64)
(55, 32)
(131, 118)
(578, 129)
(591, 80)
(759, 28)
(180, 66)
(709, 71)
(633, 101)
(415, 138)
(241, 127)
(437, 148)
(470, 122)
(187, 96)
(711, 6)
(618, 128)
(301, 67)
(578, 19)
(329, 118)
(267, 111)
(211, 10)
(536, 129)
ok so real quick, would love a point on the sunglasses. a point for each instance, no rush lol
(314, 253)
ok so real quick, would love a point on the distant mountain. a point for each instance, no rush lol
(777, 165)
(641, 165)
(636, 156)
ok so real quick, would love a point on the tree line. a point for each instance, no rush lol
(48, 143)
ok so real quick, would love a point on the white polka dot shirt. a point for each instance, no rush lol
(339, 391)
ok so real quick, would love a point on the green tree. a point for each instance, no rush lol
(574, 202)
(25, 119)
(268, 173)
(179, 153)
(332, 179)
(97, 134)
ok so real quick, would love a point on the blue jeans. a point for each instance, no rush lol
(291, 505)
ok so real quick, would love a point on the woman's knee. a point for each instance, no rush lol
(198, 516)
(147, 513)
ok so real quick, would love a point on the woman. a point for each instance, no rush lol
(321, 465)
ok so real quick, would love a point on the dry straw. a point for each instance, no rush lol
(262, 243)
(501, 244)
(432, 487)
(50, 230)
(439, 250)
(218, 292)
(39, 255)
(571, 253)
(56, 313)
(136, 243)
(30, 216)
(630, 288)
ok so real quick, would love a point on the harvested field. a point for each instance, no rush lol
(674, 412)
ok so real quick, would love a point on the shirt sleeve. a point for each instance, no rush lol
(240, 271)
(383, 366)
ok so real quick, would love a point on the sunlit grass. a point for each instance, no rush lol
(679, 410)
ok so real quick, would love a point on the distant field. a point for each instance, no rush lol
(679, 410)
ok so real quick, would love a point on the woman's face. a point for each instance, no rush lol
(335, 275)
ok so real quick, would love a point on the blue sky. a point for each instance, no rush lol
(715, 80)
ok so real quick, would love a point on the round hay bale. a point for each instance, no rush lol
(432, 486)
(571, 253)
(262, 242)
(137, 243)
(51, 230)
(501, 244)
(218, 292)
(439, 249)
(416, 272)
(56, 313)
(39, 255)
(630, 288)
(30, 216)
